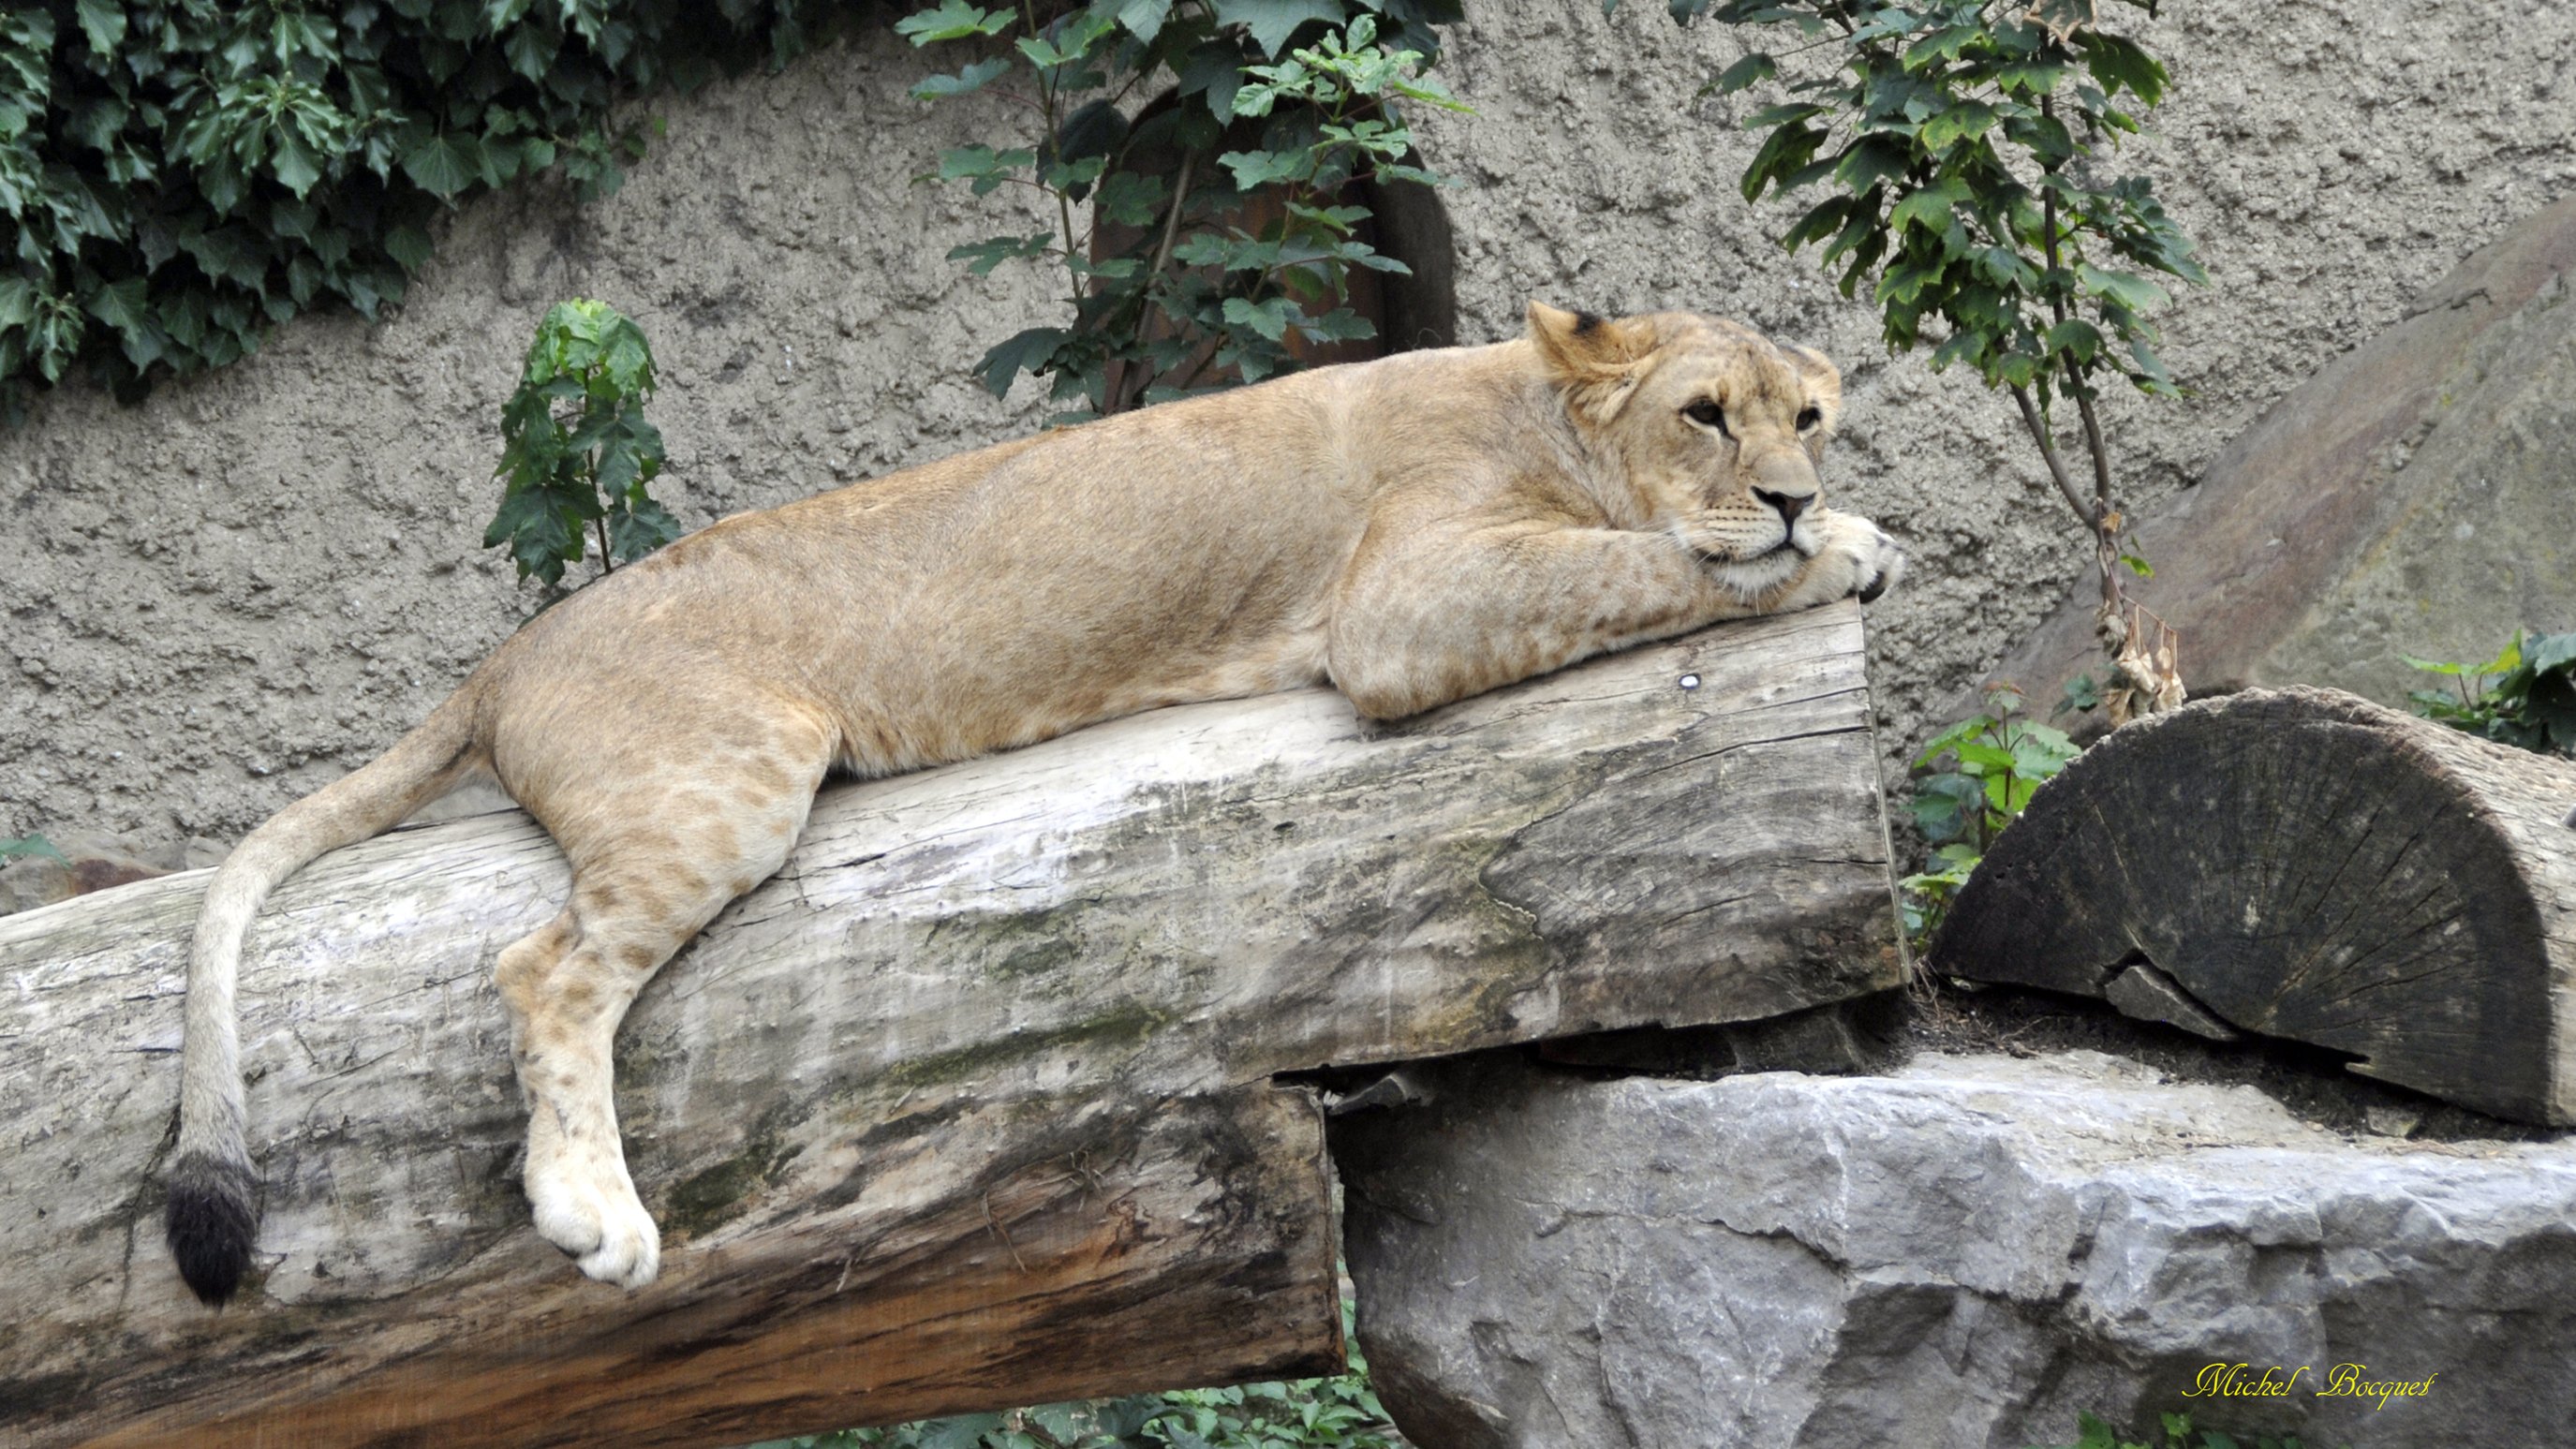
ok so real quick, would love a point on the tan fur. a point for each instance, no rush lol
(1413, 530)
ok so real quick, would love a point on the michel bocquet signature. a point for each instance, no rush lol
(2278, 1381)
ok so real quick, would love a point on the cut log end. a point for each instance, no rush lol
(2303, 864)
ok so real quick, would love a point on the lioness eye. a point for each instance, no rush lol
(1809, 418)
(1708, 415)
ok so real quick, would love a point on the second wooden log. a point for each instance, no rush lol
(2302, 863)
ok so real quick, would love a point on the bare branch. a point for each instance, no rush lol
(2048, 450)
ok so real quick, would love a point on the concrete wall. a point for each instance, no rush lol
(231, 594)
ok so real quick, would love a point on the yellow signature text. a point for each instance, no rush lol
(2279, 1381)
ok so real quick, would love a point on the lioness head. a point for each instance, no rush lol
(1717, 429)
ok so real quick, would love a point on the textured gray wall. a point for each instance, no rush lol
(233, 593)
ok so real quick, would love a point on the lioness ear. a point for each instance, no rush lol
(1824, 381)
(1597, 360)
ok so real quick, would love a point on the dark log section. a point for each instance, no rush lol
(971, 1106)
(2301, 863)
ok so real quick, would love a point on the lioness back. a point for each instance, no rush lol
(1181, 552)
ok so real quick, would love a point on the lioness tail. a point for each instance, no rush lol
(214, 1209)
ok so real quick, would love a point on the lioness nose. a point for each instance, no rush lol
(1790, 505)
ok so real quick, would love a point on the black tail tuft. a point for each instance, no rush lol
(214, 1218)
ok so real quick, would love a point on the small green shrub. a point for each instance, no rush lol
(577, 452)
(2531, 703)
(1188, 298)
(2178, 1434)
(1996, 760)
(1341, 1412)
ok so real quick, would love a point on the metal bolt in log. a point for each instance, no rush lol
(2302, 863)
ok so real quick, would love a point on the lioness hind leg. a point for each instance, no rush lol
(650, 870)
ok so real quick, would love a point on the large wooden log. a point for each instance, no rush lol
(972, 1105)
(2302, 863)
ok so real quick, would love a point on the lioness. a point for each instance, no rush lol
(1414, 530)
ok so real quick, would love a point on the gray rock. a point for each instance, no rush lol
(1965, 1253)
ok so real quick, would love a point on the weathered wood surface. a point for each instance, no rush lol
(970, 1106)
(2302, 863)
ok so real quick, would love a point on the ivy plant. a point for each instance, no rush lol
(1961, 147)
(180, 175)
(576, 450)
(1175, 279)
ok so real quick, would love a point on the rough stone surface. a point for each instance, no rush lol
(2409, 499)
(252, 582)
(1965, 1253)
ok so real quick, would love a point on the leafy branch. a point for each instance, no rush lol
(1958, 143)
(576, 450)
(1221, 233)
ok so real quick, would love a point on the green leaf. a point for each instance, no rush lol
(1268, 318)
(1144, 18)
(1928, 208)
(444, 164)
(122, 305)
(1785, 150)
(17, 302)
(991, 252)
(1755, 67)
(1871, 160)
(409, 246)
(102, 24)
(2075, 337)
(973, 78)
(2138, 565)
(1962, 121)
(1271, 22)
(1781, 115)
(2546, 652)
(1942, 45)
(1982, 759)
(2030, 77)
(953, 20)
(2118, 63)
(1256, 169)
(2128, 289)
(1025, 351)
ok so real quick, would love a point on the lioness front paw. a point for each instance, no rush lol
(595, 1216)
(1858, 558)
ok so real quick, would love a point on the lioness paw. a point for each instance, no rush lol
(1858, 559)
(595, 1216)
